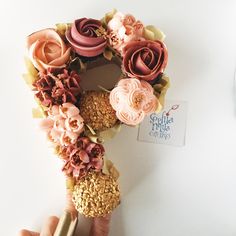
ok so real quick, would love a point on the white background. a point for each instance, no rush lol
(167, 191)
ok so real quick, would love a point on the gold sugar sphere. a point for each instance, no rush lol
(96, 110)
(97, 194)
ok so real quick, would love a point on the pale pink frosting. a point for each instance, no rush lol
(47, 50)
(64, 124)
(123, 29)
(132, 99)
(84, 39)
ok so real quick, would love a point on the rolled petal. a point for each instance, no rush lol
(84, 39)
(47, 50)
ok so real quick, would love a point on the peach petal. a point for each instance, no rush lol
(47, 50)
(46, 124)
(61, 61)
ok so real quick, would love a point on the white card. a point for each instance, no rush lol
(166, 127)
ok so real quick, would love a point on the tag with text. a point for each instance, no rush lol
(166, 127)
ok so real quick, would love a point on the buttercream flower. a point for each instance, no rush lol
(132, 99)
(57, 88)
(81, 157)
(63, 124)
(84, 39)
(47, 50)
(123, 29)
(145, 59)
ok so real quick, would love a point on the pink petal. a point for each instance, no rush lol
(84, 156)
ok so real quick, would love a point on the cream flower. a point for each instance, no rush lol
(64, 124)
(132, 99)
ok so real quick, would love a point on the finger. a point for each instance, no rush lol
(100, 226)
(70, 205)
(50, 226)
(25, 232)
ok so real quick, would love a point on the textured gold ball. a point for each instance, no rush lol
(96, 110)
(96, 194)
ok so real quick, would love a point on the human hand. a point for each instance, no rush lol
(99, 227)
(47, 230)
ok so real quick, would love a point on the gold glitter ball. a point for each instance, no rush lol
(96, 110)
(96, 194)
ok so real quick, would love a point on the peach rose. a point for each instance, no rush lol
(145, 59)
(132, 100)
(47, 50)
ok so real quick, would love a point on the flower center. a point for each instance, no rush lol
(74, 123)
(137, 101)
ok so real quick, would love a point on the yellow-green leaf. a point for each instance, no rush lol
(152, 33)
(70, 183)
(110, 169)
(95, 139)
(30, 67)
(61, 28)
(161, 88)
(29, 79)
(110, 133)
(108, 16)
(82, 66)
(108, 54)
(38, 113)
(91, 130)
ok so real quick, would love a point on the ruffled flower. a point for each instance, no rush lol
(84, 39)
(47, 50)
(57, 88)
(145, 59)
(132, 100)
(123, 29)
(64, 124)
(81, 157)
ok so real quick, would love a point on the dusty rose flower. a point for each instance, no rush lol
(84, 39)
(132, 100)
(56, 88)
(81, 157)
(145, 59)
(64, 124)
(47, 50)
(124, 29)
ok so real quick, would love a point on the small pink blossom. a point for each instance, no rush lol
(81, 157)
(123, 29)
(64, 124)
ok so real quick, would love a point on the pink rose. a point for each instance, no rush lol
(145, 59)
(84, 39)
(81, 157)
(67, 110)
(64, 124)
(132, 99)
(47, 50)
(123, 29)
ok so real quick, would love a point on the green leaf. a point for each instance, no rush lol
(38, 113)
(108, 16)
(30, 67)
(108, 54)
(152, 33)
(161, 88)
